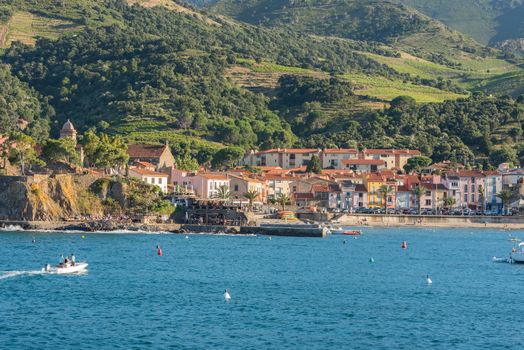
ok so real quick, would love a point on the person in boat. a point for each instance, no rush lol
(66, 261)
(73, 259)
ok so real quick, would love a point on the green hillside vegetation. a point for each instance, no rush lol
(19, 103)
(488, 21)
(154, 74)
(365, 20)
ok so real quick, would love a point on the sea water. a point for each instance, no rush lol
(287, 293)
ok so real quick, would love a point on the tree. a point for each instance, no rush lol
(61, 151)
(403, 102)
(385, 190)
(283, 200)
(227, 157)
(251, 196)
(23, 152)
(418, 192)
(449, 202)
(223, 192)
(105, 151)
(416, 164)
(505, 197)
(184, 160)
(314, 165)
(482, 198)
(504, 154)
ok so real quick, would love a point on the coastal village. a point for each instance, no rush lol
(286, 183)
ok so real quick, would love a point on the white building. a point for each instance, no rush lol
(150, 177)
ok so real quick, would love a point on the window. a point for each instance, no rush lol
(236, 187)
(454, 192)
(473, 188)
(428, 193)
(454, 184)
(428, 201)
(472, 197)
(466, 198)
(465, 188)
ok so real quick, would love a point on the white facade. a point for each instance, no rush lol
(150, 177)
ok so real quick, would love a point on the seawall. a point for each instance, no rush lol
(511, 222)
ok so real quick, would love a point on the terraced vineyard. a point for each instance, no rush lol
(26, 27)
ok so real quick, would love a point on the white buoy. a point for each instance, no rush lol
(227, 296)
(187, 237)
(428, 279)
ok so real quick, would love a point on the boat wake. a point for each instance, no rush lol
(10, 274)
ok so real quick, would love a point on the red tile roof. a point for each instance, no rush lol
(340, 151)
(362, 162)
(392, 151)
(289, 150)
(145, 151)
(146, 172)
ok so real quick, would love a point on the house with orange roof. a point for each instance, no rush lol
(159, 155)
(208, 185)
(332, 157)
(373, 182)
(286, 158)
(278, 184)
(150, 177)
(240, 185)
(392, 158)
(363, 165)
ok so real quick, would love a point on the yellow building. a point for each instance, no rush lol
(372, 182)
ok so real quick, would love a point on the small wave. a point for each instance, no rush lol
(9, 274)
(12, 228)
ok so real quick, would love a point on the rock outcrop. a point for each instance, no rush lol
(42, 197)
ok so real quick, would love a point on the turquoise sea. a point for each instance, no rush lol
(287, 293)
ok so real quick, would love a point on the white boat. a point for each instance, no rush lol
(68, 268)
(500, 260)
(517, 256)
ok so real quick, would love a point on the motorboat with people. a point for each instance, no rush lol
(517, 254)
(61, 268)
(66, 266)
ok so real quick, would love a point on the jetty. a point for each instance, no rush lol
(291, 230)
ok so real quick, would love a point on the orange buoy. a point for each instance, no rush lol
(404, 245)
(159, 250)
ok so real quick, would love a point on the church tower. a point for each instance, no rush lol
(68, 131)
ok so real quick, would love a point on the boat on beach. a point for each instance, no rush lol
(62, 269)
(517, 255)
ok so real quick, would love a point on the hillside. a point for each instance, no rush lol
(151, 73)
(365, 20)
(488, 21)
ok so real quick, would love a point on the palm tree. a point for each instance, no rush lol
(449, 202)
(482, 198)
(418, 192)
(223, 192)
(283, 200)
(251, 196)
(505, 196)
(386, 190)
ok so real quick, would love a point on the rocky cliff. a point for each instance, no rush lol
(47, 198)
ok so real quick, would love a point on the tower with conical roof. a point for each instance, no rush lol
(68, 131)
